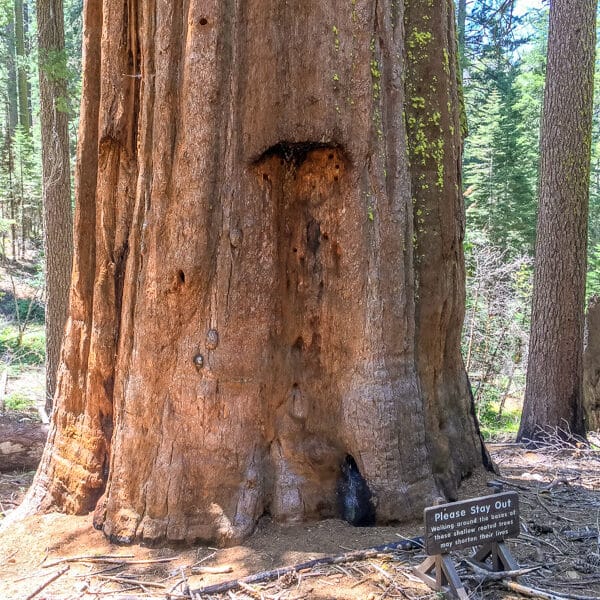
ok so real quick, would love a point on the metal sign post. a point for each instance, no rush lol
(485, 522)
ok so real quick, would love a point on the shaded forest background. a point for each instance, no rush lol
(503, 49)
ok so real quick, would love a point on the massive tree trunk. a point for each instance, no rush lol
(245, 313)
(58, 220)
(553, 393)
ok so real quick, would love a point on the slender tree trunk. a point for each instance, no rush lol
(10, 164)
(22, 83)
(58, 220)
(242, 316)
(462, 26)
(11, 79)
(553, 394)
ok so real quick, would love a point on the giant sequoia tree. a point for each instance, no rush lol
(264, 284)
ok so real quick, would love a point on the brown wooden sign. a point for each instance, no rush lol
(471, 522)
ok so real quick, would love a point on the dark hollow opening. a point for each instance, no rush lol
(354, 496)
(294, 153)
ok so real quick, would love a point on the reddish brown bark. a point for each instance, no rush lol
(243, 316)
(433, 114)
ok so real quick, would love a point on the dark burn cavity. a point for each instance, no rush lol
(354, 496)
(295, 153)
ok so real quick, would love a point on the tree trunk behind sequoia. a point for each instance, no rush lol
(245, 309)
(553, 392)
(591, 367)
(22, 83)
(58, 220)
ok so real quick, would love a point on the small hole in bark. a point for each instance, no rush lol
(298, 344)
(212, 339)
(265, 177)
(325, 236)
(203, 21)
(330, 157)
(335, 178)
(181, 276)
(294, 249)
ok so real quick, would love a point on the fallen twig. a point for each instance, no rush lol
(543, 594)
(99, 572)
(486, 575)
(86, 558)
(46, 583)
(211, 570)
(580, 534)
(128, 581)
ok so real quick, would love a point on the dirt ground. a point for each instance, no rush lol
(560, 512)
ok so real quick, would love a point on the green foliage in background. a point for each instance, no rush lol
(503, 93)
(18, 402)
(496, 424)
(29, 352)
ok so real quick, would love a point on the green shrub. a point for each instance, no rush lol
(18, 401)
(494, 425)
(30, 352)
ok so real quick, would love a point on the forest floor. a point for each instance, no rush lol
(559, 493)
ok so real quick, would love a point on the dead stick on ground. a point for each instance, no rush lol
(111, 560)
(137, 582)
(89, 558)
(212, 570)
(543, 594)
(486, 575)
(199, 562)
(47, 582)
(410, 544)
(118, 561)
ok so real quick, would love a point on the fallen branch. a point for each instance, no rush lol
(211, 570)
(110, 560)
(485, 575)
(86, 558)
(403, 545)
(580, 534)
(46, 583)
(543, 594)
(118, 561)
(128, 581)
